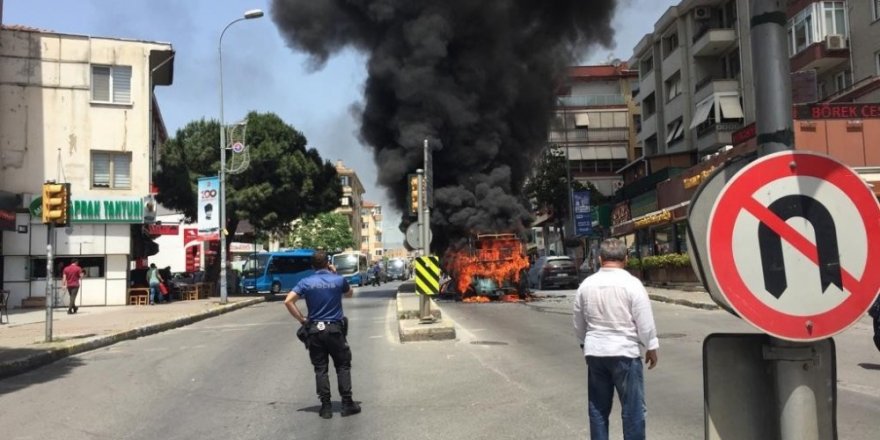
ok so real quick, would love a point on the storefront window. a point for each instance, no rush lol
(663, 240)
(681, 237)
(93, 266)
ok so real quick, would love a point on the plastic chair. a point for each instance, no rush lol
(4, 299)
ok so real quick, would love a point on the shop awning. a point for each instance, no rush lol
(702, 113)
(596, 153)
(730, 107)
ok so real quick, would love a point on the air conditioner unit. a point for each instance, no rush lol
(702, 13)
(835, 42)
(618, 184)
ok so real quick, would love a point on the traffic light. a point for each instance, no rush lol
(414, 194)
(56, 199)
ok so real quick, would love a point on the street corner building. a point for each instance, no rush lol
(78, 109)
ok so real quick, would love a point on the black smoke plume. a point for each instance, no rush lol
(477, 78)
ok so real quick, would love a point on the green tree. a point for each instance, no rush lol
(329, 231)
(284, 181)
(549, 186)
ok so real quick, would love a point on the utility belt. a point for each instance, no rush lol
(317, 327)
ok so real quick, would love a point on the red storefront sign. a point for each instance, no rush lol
(838, 111)
(163, 229)
(744, 134)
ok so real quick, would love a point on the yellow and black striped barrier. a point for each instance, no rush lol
(427, 270)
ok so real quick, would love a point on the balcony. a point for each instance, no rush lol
(711, 42)
(711, 136)
(591, 101)
(590, 135)
(820, 57)
(711, 85)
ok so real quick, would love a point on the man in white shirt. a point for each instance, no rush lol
(613, 320)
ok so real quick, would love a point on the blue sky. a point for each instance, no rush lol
(260, 73)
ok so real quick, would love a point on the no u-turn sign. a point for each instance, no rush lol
(794, 245)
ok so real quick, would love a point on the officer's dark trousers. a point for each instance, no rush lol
(325, 344)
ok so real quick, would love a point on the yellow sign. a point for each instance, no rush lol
(653, 219)
(427, 275)
(696, 179)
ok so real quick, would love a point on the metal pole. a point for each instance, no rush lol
(795, 399)
(424, 303)
(50, 283)
(222, 175)
(425, 314)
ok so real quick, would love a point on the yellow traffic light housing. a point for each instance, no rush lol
(56, 199)
(414, 194)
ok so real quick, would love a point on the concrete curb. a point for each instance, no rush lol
(27, 363)
(683, 302)
(410, 328)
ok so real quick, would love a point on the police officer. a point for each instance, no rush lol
(325, 331)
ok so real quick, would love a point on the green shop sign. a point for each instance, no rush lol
(99, 210)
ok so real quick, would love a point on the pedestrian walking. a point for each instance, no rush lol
(154, 278)
(324, 331)
(70, 279)
(613, 321)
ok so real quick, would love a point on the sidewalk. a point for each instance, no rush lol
(691, 298)
(22, 340)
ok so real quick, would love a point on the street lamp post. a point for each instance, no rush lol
(253, 13)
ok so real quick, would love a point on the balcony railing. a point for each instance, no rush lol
(591, 100)
(595, 135)
(709, 127)
(709, 80)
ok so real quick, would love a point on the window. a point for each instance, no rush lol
(111, 170)
(649, 107)
(344, 181)
(843, 80)
(92, 266)
(365, 240)
(876, 9)
(670, 43)
(646, 66)
(835, 18)
(730, 64)
(111, 84)
(674, 131)
(877, 58)
(800, 31)
(673, 87)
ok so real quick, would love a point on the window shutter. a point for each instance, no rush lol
(122, 84)
(122, 171)
(100, 170)
(101, 83)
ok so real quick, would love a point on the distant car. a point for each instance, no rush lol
(396, 270)
(555, 271)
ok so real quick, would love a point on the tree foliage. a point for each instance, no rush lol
(284, 181)
(549, 186)
(329, 231)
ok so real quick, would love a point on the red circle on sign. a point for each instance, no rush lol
(738, 194)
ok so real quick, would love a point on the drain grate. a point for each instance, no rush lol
(488, 343)
(670, 335)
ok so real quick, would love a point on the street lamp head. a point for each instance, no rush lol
(253, 13)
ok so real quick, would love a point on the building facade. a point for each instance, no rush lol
(372, 241)
(697, 95)
(79, 109)
(352, 200)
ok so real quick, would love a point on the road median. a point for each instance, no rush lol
(410, 327)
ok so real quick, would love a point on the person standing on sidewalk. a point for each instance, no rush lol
(70, 278)
(326, 329)
(154, 278)
(613, 320)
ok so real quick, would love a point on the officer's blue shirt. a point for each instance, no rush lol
(323, 294)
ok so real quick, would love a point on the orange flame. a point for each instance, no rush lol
(476, 299)
(496, 257)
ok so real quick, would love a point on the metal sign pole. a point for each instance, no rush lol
(796, 399)
(50, 281)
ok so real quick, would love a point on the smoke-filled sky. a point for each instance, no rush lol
(476, 79)
(261, 73)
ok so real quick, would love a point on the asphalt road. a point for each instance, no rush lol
(514, 373)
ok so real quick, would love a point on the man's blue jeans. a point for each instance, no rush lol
(604, 375)
(155, 293)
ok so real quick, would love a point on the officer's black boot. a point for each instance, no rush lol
(349, 407)
(326, 410)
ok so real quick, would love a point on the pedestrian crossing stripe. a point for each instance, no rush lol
(427, 275)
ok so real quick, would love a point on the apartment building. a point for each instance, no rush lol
(78, 109)
(372, 241)
(863, 18)
(352, 200)
(593, 123)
